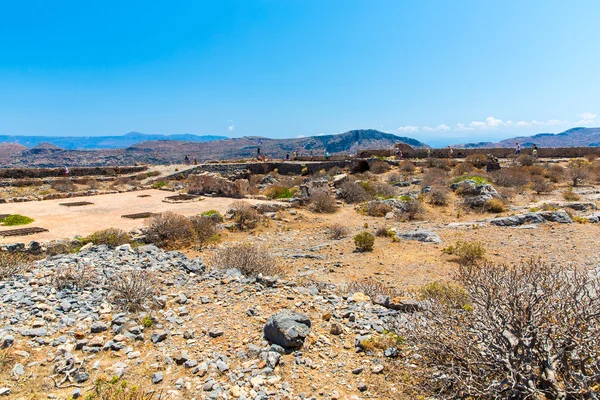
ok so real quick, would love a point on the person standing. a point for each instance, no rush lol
(534, 151)
(428, 152)
(517, 148)
(287, 156)
(66, 172)
(450, 152)
(326, 155)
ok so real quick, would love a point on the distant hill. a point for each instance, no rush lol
(101, 142)
(575, 137)
(174, 151)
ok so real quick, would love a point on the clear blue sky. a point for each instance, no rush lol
(478, 69)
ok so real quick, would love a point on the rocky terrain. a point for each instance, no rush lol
(575, 137)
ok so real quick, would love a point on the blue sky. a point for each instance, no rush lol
(439, 71)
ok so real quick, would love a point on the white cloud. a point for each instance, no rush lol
(441, 127)
(462, 127)
(408, 128)
(587, 115)
(231, 128)
(587, 118)
(493, 122)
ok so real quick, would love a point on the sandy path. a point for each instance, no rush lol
(67, 222)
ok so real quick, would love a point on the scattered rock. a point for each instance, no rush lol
(287, 329)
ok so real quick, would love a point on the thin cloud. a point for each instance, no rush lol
(587, 118)
(408, 128)
(231, 128)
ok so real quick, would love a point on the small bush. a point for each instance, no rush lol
(579, 220)
(540, 185)
(384, 190)
(213, 214)
(468, 253)
(337, 231)
(379, 167)
(381, 341)
(413, 209)
(555, 173)
(251, 260)
(439, 163)
(479, 180)
(495, 206)
(511, 177)
(132, 290)
(446, 293)
(111, 237)
(439, 196)
(170, 230)
(92, 184)
(394, 177)
(74, 277)
(384, 231)
(244, 215)
(477, 160)
(205, 230)
(16, 219)
(62, 185)
(435, 177)
(407, 167)
(577, 174)
(364, 241)
(12, 264)
(377, 208)
(525, 160)
(352, 193)
(151, 174)
(159, 185)
(463, 168)
(278, 192)
(115, 389)
(569, 195)
(62, 247)
(322, 202)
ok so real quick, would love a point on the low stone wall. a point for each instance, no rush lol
(211, 182)
(20, 173)
(54, 196)
(543, 152)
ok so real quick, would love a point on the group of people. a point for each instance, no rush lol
(534, 150)
(188, 160)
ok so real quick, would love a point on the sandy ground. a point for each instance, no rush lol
(67, 222)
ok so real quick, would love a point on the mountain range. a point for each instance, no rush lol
(102, 142)
(575, 137)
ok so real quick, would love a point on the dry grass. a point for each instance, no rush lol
(170, 230)
(110, 237)
(249, 259)
(371, 288)
(133, 290)
(205, 230)
(74, 277)
(244, 215)
(337, 231)
(352, 192)
(12, 264)
(321, 202)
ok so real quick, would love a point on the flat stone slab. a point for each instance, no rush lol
(420, 236)
(22, 231)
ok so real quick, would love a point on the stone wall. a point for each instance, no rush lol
(213, 183)
(20, 173)
(543, 152)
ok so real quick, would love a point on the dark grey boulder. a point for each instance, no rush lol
(287, 329)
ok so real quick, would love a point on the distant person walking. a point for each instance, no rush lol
(450, 152)
(428, 152)
(195, 161)
(287, 156)
(326, 155)
(311, 156)
(517, 148)
(534, 151)
(66, 171)
(397, 152)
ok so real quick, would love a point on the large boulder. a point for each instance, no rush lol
(533, 218)
(287, 328)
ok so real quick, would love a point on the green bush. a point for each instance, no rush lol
(468, 253)
(16, 219)
(111, 237)
(212, 214)
(495, 206)
(479, 180)
(159, 184)
(278, 192)
(364, 241)
(447, 294)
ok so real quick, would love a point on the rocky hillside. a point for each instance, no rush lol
(576, 137)
(174, 151)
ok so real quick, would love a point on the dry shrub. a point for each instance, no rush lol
(74, 276)
(111, 237)
(439, 196)
(352, 192)
(394, 177)
(495, 206)
(445, 293)
(463, 168)
(569, 195)
(321, 202)
(511, 177)
(540, 185)
(371, 288)
(383, 190)
(205, 230)
(337, 231)
(435, 177)
(555, 173)
(439, 163)
(413, 209)
(12, 264)
(251, 260)
(535, 170)
(379, 167)
(92, 183)
(577, 174)
(62, 185)
(116, 389)
(468, 253)
(525, 160)
(170, 230)
(407, 167)
(364, 241)
(244, 215)
(133, 290)
(477, 160)
(377, 208)
(62, 247)
(531, 332)
(384, 231)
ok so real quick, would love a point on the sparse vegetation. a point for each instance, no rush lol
(540, 185)
(110, 237)
(116, 389)
(133, 290)
(377, 208)
(384, 231)
(364, 241)
(446, 293)
(74, 277)
(337, 231)
(413, 209)
(468, 253)
(352, 193)
(249, 259)
(170, 230)
(371, 288)
(439, 196)
(244, 215)
(379, 167)
(322, 202)
(495, 206)
(16, 219)
(278, 192)
(159, 185)
(12, 264)
(205, 230)
(212, 214)
(569, 195)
